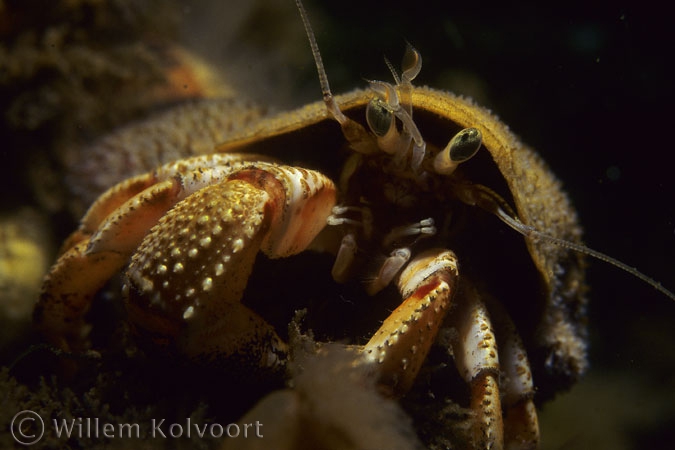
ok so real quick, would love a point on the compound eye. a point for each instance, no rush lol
(465, 144)
(462, 147)
(379, 117)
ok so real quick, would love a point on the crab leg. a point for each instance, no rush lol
(67, 292)
(401, 344)
(83, 270)
(476, 357)
(391, 266)
(521, 425)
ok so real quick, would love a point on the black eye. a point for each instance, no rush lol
(465, 144)
(380, 118)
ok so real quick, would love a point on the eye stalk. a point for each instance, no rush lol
(395, 101)
(381, 114)
(462, 147)
(391, 101)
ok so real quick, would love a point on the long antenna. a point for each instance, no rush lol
(532, 233)
(490, 201)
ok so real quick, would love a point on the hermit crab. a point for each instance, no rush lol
(408, 189)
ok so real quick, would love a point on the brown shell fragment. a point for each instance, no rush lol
(190, 129)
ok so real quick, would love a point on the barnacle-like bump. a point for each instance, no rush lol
(220, 269)
(207, 284)
(189, 312)
(205, 242)
(147, 285)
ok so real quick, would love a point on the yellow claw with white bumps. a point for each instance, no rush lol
(192, 230)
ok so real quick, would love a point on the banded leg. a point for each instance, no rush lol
(521, 425)
(477, 360)
(402, 343)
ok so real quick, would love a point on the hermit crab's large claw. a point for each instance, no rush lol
(222, 203)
